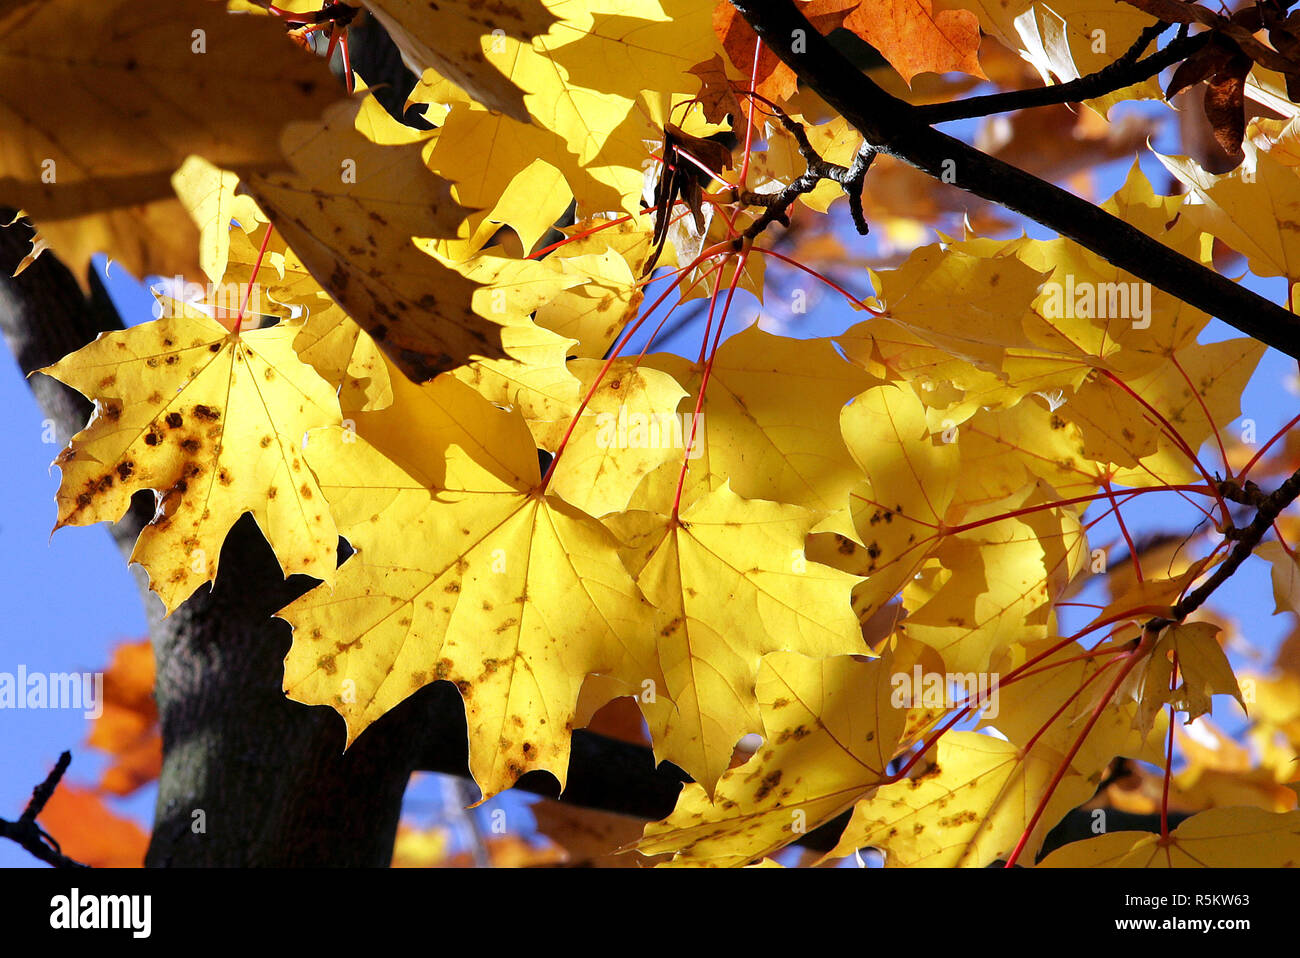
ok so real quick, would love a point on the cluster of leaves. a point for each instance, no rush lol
(759, 539)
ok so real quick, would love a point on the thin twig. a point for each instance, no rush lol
(1246, 541)
(777, 205)
(27, 833)
(1124, 72)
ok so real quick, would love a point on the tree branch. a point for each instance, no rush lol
(1269, 508)
(1125, 71)
(894, 127)
(777, 205)
(30, 835)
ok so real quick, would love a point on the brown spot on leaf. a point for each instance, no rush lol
(770, 781)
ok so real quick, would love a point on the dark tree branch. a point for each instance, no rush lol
(894, 127)
(1246, 540)
(30, 835)
(1125, 71)
(777, 205)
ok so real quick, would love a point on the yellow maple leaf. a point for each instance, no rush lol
(208, 194)
(1202, 665)
(608, 261)
(335, 345)
(513, 596)
(629, 427)
(994, 585)
(968, 809)
(586, 93)
(1060, 39)
(779, 443)
(1248, 208)
(731, 576)
(93, 133)
(213, 421)
(830, 730)
(448, 36)
(1201, 398)
(1215, 838)
(1284, 573)
(910, 481)
(349, 210)
(1045, 705)
(995, 296)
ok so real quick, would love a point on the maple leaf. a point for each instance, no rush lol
(447, 37)
(830, 730)
(106, 173)
(967, 809)
(994, 292)
(629, 427)
(595, 106)
(349, 211)
(910, 481)
(1216, 838)
(595, 310)
(732, 577)
(1202, 665)
(910, 34)
(770, 444)
(717, 94)
(589, 837)
(345, 356)
(208, 194)
(513, 596)
(1154, 595)
(213, 422)
(1199, 394)
(90, 832)
(128, 727)
(1284, 573)
(917, 38)
(1247, 209)
(993, 585)
(1045, 705)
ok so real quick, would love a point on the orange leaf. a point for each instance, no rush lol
(915, 39)
(89, 832)
(128, 728)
